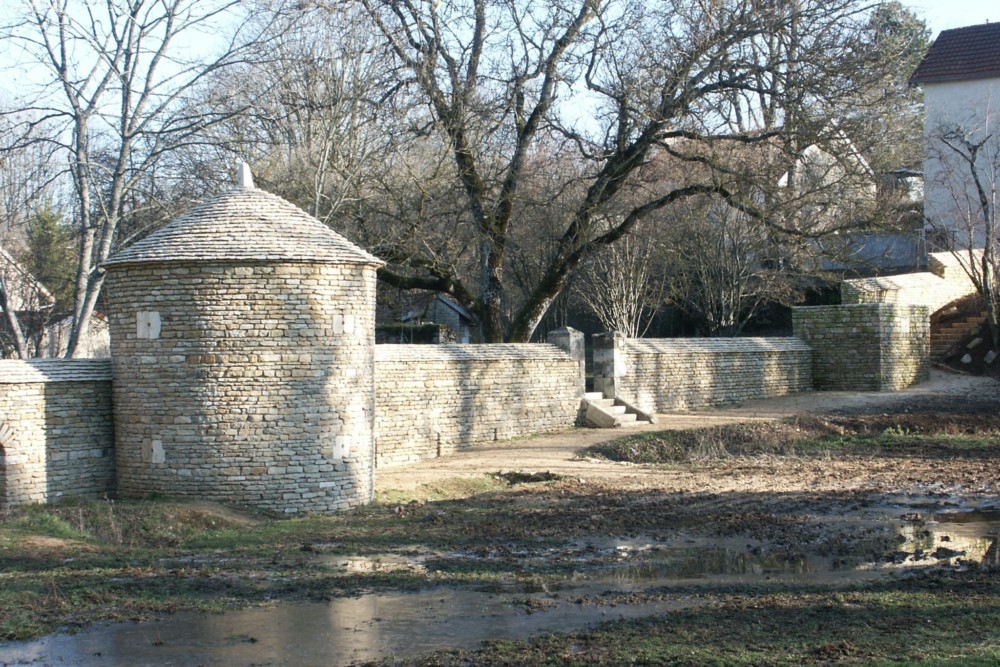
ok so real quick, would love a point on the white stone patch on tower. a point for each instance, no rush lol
(341, 447)
(148, 325)
(152, 452)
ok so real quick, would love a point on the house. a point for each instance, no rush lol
(28, 299)
(442, 310)
(427, 317)
(960, 76)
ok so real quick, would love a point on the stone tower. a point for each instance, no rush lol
(242, 338)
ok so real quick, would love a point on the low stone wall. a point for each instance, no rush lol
(945, 282)
(866, 347)
(660, 375)
(910, 289)
(433, 400)
(56, 434)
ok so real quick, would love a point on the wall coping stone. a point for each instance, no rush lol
(18, 371)
(714, 345)
(465, 352)
(903, 281)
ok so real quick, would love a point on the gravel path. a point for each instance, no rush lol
(557, 452)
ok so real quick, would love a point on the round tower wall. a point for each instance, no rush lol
(249, 384)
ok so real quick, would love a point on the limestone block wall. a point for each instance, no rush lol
(433, 400)
(56, 434)
(910, 289)
(945, 282)
(866, 347)
(660, 375)
(250, 384)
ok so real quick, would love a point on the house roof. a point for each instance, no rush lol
(462, 312)
(424, 301)
(244, 225)
(962, 54)
(24, 292)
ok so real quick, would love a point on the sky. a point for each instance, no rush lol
(946, 14)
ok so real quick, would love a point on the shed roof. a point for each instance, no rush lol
(962, 54)
(244, 225)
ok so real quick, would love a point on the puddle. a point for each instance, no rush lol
(371, 565)
(336, 633)
(954, 537)
(377, 626)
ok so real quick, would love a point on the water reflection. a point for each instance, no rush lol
(382, 625)
(340, 632)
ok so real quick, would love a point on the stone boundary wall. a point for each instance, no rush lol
(866, 347)
(56, 434)
(909, 289)
(660, 375)
(945, 282)
(434, 400)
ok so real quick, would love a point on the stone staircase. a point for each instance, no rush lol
(948, 330)
(604, 412)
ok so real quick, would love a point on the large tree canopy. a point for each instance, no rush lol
(486, 148)
(501, 86)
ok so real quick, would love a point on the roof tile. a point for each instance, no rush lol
(962, 54)
(244, 224)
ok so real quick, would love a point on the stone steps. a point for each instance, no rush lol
(946, 334)
(611, 412)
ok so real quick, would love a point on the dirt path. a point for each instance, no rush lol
(557, 453)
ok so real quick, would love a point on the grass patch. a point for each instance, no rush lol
(801, 437)
(450, 489)
(897, 624)
(69, 565)
(704, 444)
(74, 564)
(38, 521)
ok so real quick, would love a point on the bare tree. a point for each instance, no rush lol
(720, 266)
(313, 116)
(118, 72)
(966, 180)
(619, 81)
(623, 285)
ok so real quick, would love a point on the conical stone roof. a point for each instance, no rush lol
(244, 225)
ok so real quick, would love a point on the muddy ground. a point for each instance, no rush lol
(948, 403)
(771, 486)
(752, 482)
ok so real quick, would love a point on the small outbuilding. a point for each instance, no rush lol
(242, 339)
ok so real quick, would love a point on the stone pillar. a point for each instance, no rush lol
(609, 362)
(865, 347)
(572, 342)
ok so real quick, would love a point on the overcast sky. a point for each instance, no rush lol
(946, 14)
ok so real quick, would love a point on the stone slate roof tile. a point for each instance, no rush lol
(30, 371)
(244, 225)
(962, 54)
